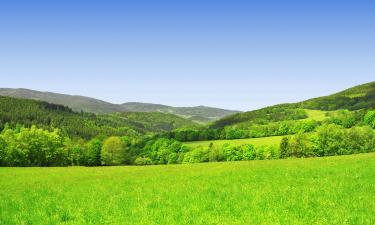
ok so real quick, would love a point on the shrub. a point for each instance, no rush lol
(328, 140)
(215, 154)
(284, 147)
(232, 153)
(248, 152)
(142, 161)
(197, 155)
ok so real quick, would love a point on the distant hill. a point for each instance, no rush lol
(198, 113)
(78, 103)
(26, 112)
(358, 97)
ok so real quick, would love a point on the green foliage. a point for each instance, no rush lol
(113, 152)
(143, 161)
(359, 97)
(94, 148)
(77, 154)
(49, 116)
(370, 119)
(215, 154)
(199, 113)
(153, 121)
(32, 147)
(197, 155)
(86, 104)
(284, 147)
(329, 140)
(300, 146)
(3, 151)
(85, 125)
(263, 116)
(346, 118)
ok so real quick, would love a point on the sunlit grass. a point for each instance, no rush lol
(334, 190)
(317, 115)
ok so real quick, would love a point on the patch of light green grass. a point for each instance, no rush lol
(333, 190)
(317, 115)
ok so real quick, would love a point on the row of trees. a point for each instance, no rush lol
(329, 140)
(344, 118)
(254, 131)
(37, 147)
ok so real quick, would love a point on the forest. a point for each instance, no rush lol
(35, 133)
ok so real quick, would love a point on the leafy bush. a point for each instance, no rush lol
(143, 161)
(32, 147)
(197, 155)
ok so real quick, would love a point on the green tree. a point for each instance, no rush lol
(370, 119)
(3, 146)
(94, 148)
(284, 147)
(113, 152)
(328, 140)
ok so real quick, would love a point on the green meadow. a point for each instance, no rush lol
(274, 140)
(317, 115)
(329, 190)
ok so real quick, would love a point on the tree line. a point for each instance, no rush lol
(343, 118)
(38, 147)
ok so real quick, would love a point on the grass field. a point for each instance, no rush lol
(334, 190)
(275, 140)
(317, 115)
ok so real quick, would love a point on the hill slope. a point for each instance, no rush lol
(358, 97)
(85, 125)
(199, 113)
(78, 103)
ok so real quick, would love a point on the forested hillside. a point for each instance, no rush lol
(23, 112)
(201, 114)
(77, 103)
(356, 98)
(36, 133)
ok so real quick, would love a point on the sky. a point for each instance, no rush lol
(231, 54)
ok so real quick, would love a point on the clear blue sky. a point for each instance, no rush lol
(231, 54)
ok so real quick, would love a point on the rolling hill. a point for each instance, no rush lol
(355, 98)
(26, 112)
(87, 104)
(198, 113)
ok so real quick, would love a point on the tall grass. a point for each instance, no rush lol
(332, 190)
